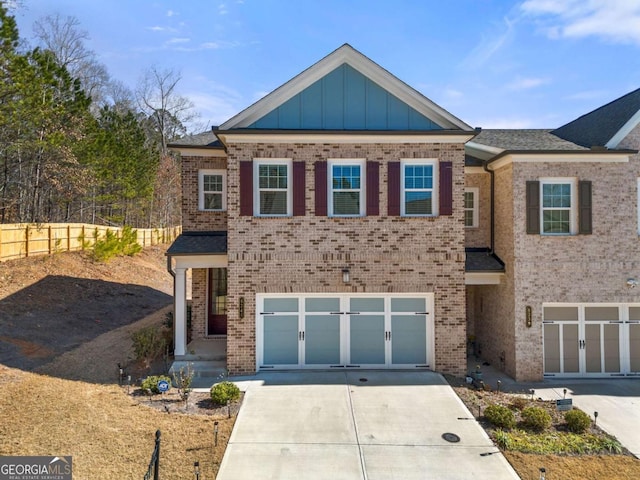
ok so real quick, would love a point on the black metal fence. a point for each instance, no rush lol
(154, 464)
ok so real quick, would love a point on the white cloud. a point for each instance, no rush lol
(222, 9)
(491, 44)
(615, 21)
(216, 103)
(156, 29)
(171, 13)
(527, 83)
(174, 41)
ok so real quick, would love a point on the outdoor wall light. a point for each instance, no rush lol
(632, 283)
(346, 275)
(528, 316)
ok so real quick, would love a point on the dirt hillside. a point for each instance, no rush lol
(70, 316)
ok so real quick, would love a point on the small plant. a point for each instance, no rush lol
(112, 245)
(577, 421)
(224, 393)
(148, 344)
(536, 418)
(183, 379)
(519, 403)
(503, 439)
(500, 416)
(150, 383)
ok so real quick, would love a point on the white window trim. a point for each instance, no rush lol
(435, 196)
(362, 163)
(201, 192)
(476, 209)
(256, 184)
(573, 211)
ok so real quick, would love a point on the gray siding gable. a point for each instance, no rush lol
(344, 99)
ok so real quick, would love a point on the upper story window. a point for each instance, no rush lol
(212, 190)
(558, 206)
(272, 180)
(419, 188)
(471, 207)
(346, 188)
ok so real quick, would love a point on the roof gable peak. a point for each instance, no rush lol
(346, 54)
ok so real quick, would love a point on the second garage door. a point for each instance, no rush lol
(344, 331)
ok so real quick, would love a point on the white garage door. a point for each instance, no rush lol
(344, 331)
(591, 340)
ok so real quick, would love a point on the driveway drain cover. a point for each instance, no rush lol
(451, 437)
(363, 379)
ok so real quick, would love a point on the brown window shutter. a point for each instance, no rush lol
(446, 188)
(393, 180)
(246, 188)
(584, 207)
(373, 188)
(298, 189)
(321, 188)
(533, 207)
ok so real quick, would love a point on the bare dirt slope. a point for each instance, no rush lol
(70, 316)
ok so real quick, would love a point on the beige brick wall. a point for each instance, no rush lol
(194, 219)
(384, 254)
(480, 237)
(539, 269)
(199, 303)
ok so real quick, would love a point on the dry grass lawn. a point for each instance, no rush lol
(108, 433)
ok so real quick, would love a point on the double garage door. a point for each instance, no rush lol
(344, 331)
(591, 340)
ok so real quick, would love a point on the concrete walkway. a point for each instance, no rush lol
(357, 425)
(617, 400)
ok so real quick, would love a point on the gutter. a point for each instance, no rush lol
(170, 268)
(485, 165)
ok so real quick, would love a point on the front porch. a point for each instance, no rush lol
(206, 356)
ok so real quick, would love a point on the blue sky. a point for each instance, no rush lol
(492, 63)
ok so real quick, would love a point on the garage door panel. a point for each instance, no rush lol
(552, 348)
(280, 340)
(322, 339)
(611, 348)
(634, 347)
(367, 339)
(409, 339)
(570, 349)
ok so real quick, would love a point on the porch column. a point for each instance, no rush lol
(180, 307)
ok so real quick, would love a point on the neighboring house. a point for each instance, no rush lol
(345, 221)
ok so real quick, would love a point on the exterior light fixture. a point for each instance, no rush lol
(346, 275)
(632, 283)
(196, 469)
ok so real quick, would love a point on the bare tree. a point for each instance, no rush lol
(67, 41)
(167, 111)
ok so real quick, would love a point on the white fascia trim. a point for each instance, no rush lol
(482, 278)
(342, 138)
(345, 54)
(475, 147)
(200, 152)
(569, 157)
(200, 261)
(624, 131)
(475, 170)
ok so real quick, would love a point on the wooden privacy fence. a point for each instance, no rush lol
(19, 240)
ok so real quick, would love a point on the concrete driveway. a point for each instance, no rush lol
(357, 425)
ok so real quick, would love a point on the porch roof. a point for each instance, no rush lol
(482, 260)
(199, 243)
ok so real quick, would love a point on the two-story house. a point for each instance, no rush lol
(346, 221)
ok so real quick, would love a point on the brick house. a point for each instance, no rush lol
(346, 221)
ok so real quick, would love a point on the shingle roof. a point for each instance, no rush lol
(199, 243)
(525, 139)
(202, 140)
(481, 260)
(599, 126)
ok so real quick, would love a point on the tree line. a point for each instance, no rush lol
(77, 145)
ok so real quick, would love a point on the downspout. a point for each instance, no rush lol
(485, 165)
(170, 268)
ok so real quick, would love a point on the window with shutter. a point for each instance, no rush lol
(419, 179)
(346, 185)
(273, 188)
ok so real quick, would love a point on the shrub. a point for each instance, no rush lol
(500, 416)
(151, 383)
(577, 421)
(536, 418)
(224, 392)
(148, 343)
(183, 379)
(519, 403)
(111, 245)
